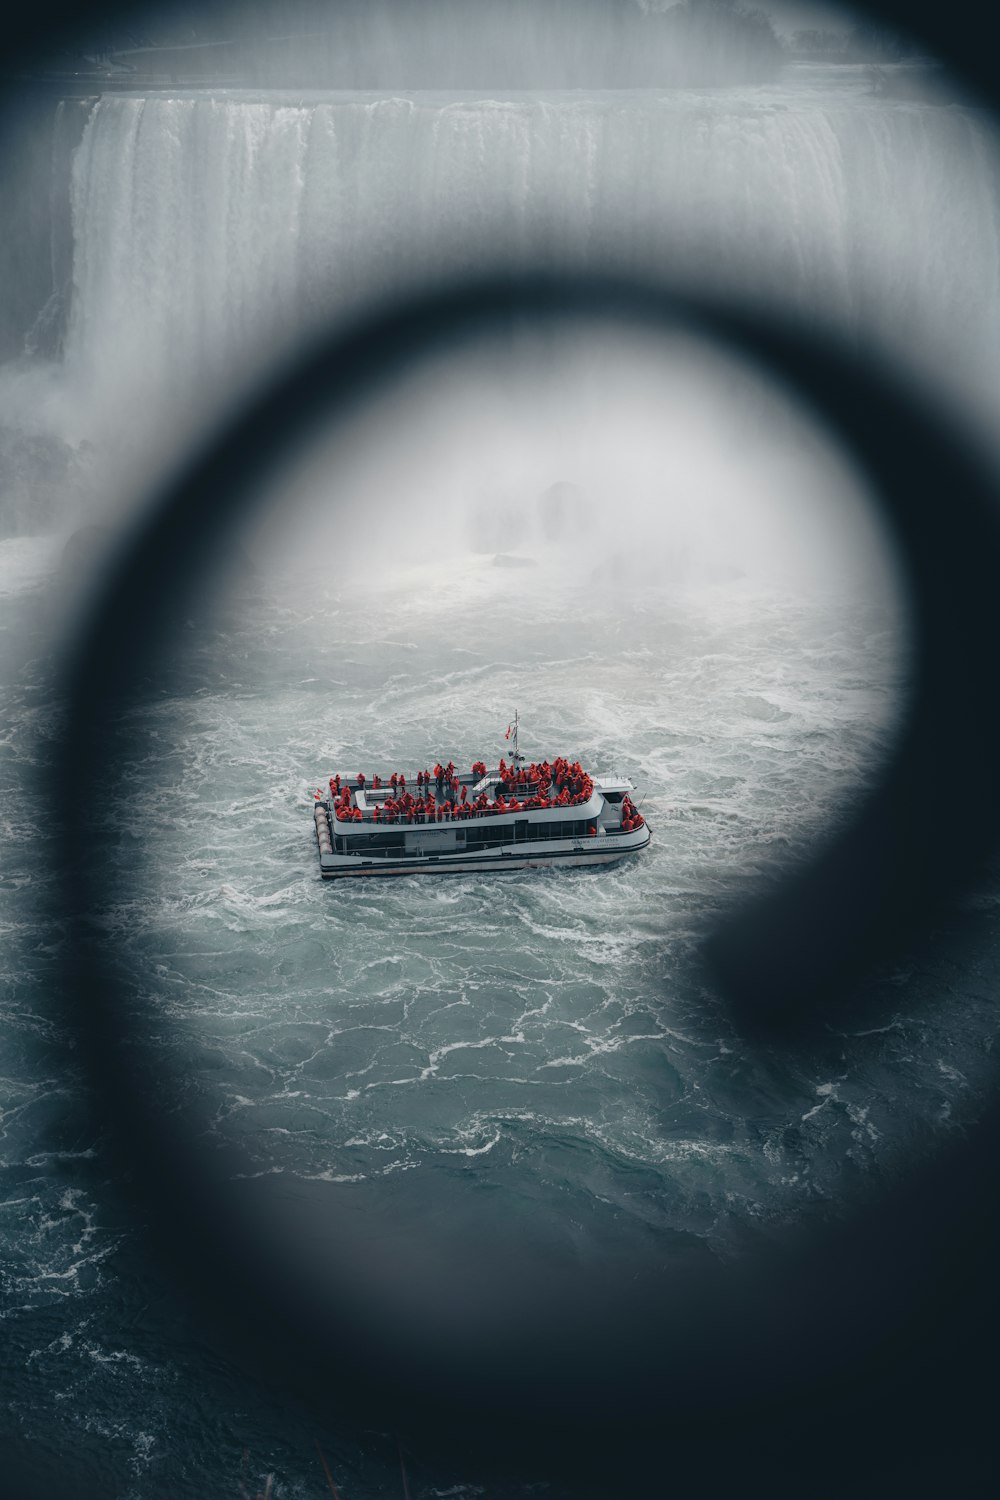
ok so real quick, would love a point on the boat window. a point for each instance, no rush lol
(373, 843)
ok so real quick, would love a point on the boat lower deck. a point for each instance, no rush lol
(604, 849)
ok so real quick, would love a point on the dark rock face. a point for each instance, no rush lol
(562, 509)
(38, 135)
(41, 479)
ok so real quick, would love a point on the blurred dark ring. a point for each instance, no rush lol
(866, 892)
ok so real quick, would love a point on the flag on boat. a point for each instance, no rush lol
(509, 728)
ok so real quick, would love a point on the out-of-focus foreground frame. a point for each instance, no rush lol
(600, 1377)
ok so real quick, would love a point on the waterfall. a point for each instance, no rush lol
(210, 229)
(207, 227)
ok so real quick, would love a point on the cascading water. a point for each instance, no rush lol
(207, 227)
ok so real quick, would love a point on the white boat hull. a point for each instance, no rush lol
(574, 853)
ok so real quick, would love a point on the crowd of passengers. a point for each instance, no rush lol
(442, 798)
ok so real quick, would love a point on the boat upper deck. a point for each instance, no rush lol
(549, 790)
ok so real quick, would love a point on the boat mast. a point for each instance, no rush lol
(518, 757)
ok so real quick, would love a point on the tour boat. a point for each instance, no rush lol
(517, 817)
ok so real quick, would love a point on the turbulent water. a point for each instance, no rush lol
(387, 1028)
(541, 1036)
